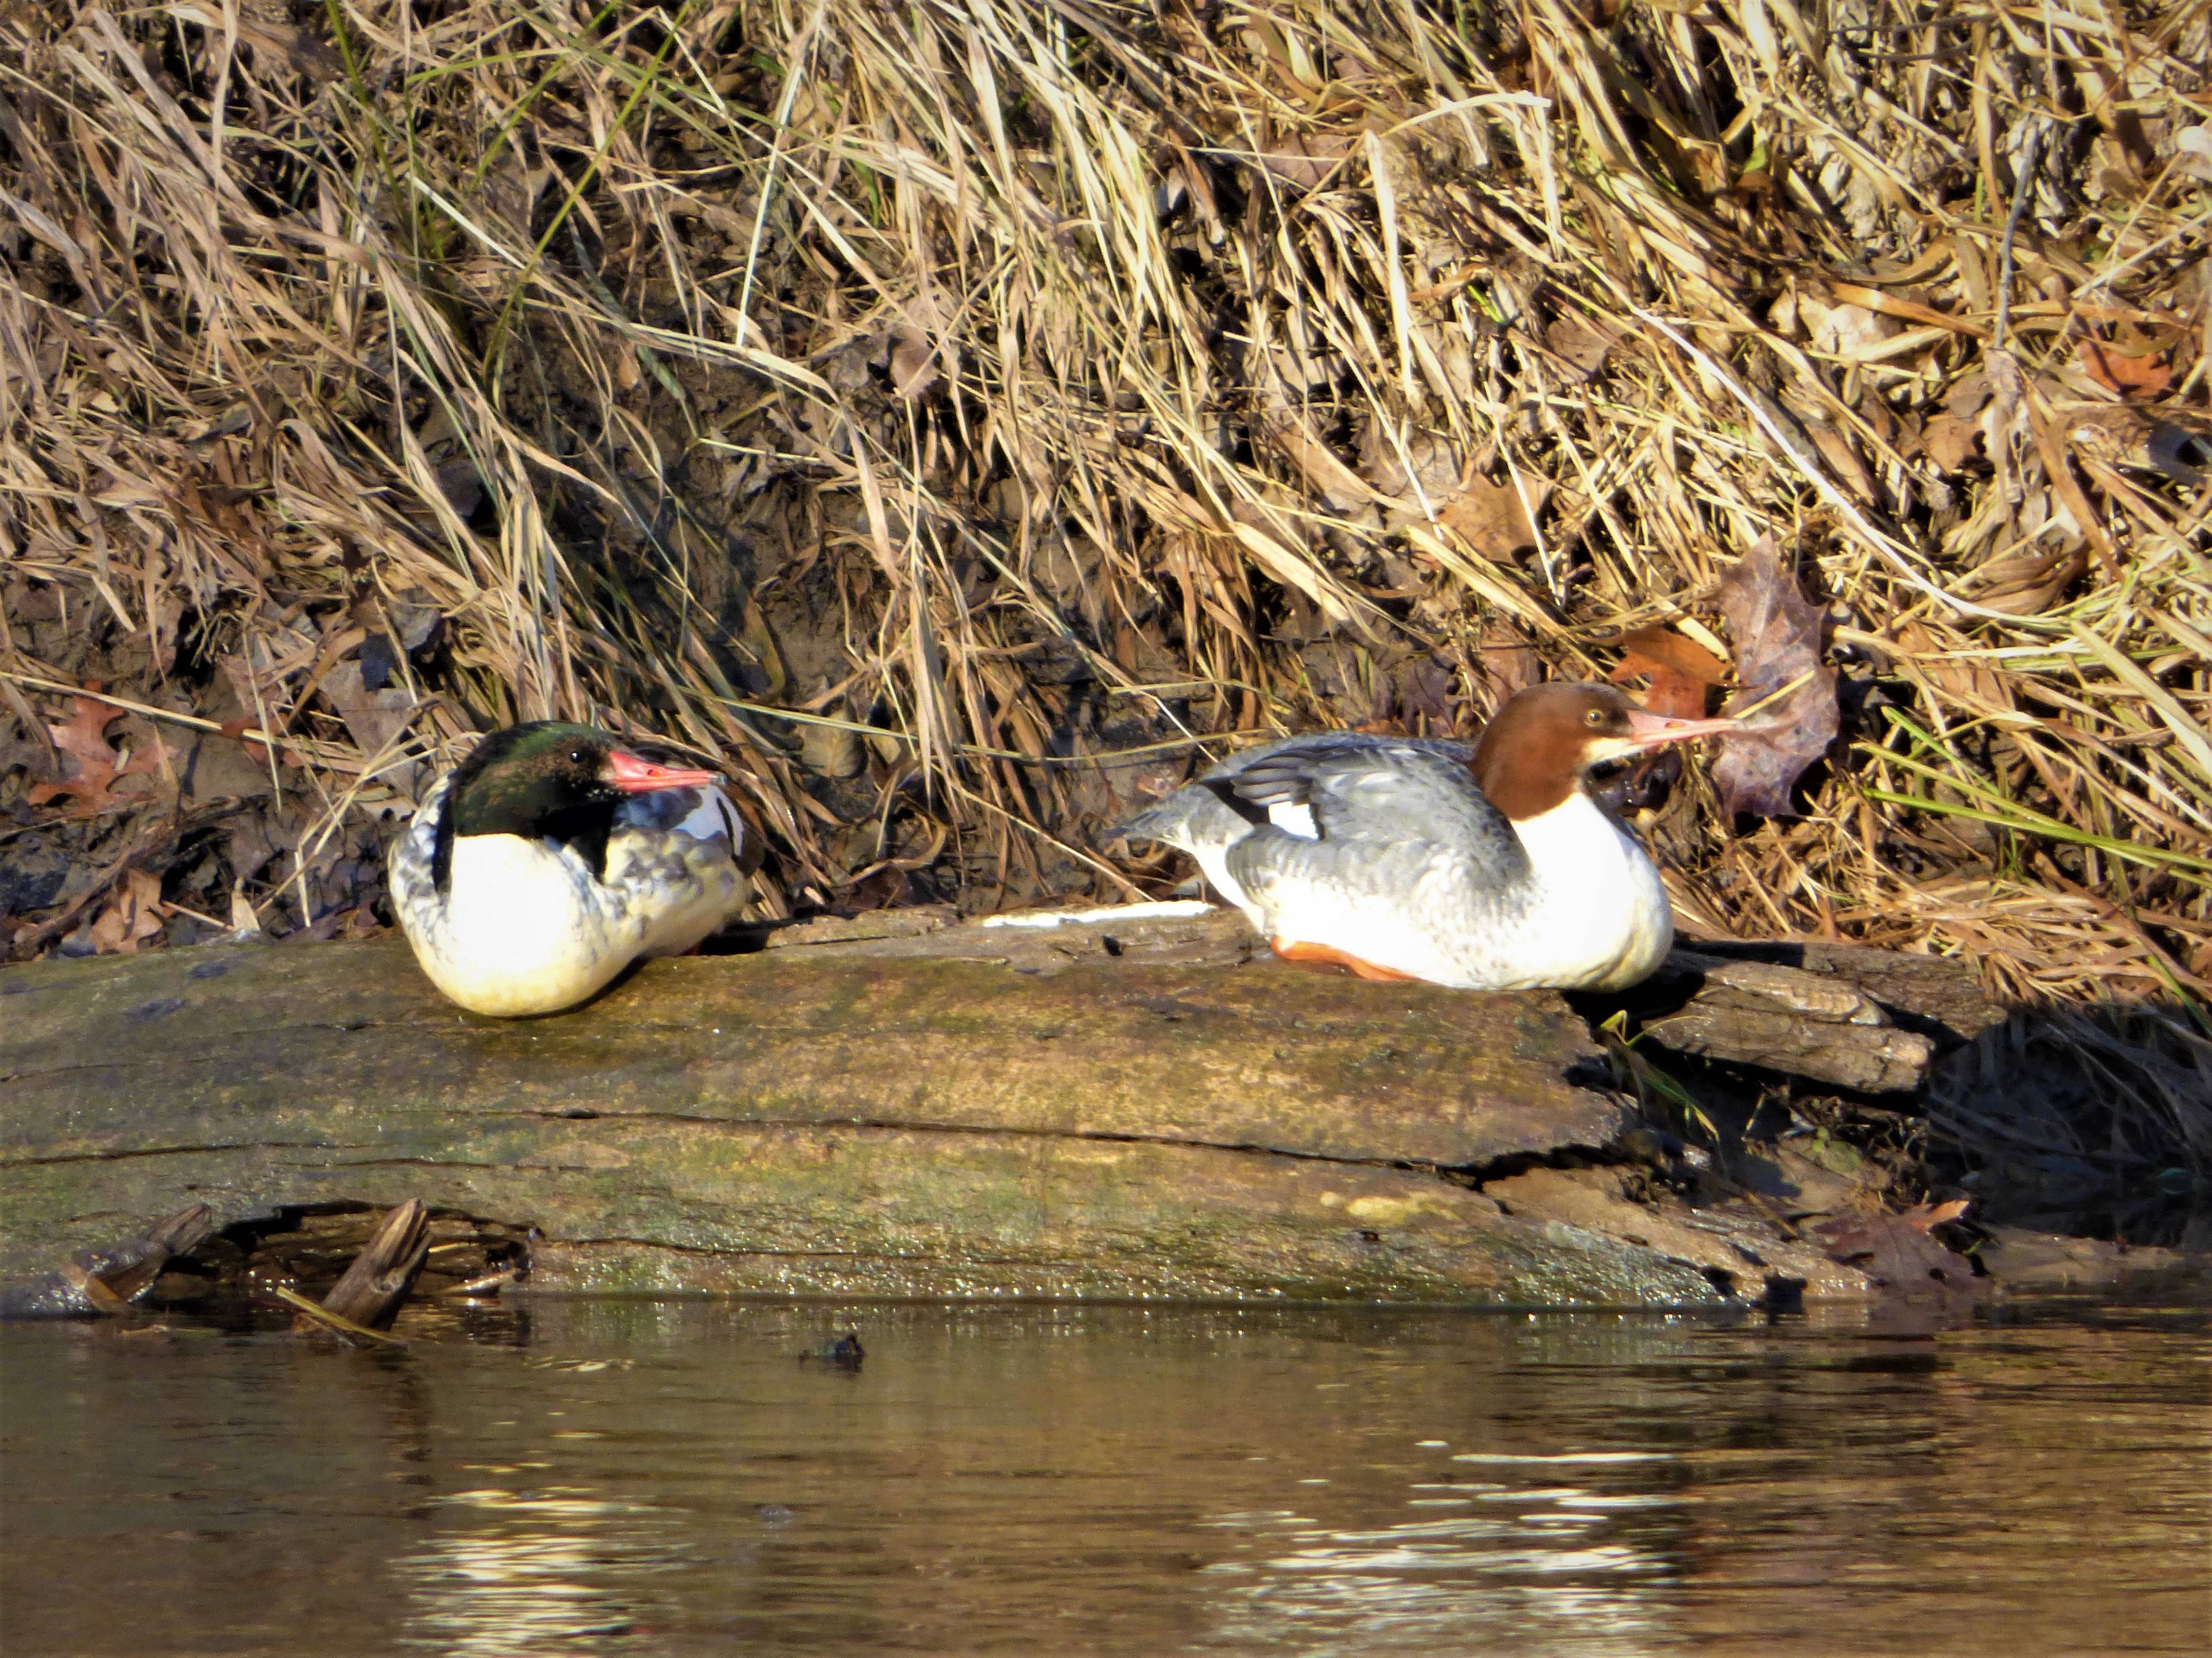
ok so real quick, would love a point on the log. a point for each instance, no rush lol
(1782, 1019)
(109, 1279)
(1870, 1021)
(1129, 1108)
(1124, 1103)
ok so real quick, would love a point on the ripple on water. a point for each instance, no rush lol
(643, 1478)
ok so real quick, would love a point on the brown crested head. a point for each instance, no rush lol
(1540, 746)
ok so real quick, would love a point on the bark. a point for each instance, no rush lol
(108, 1279)
(372, 1287)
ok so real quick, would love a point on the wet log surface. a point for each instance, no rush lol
(895, 1106)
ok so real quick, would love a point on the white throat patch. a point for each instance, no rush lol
(1602, 913)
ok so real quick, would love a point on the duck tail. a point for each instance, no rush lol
(1166, 821)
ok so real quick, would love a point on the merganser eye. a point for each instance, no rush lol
(576, 756)
(1594, 717)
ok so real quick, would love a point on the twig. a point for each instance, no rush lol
(1776, 696)
(323, 1315)
(2023, 186)
(306, 750)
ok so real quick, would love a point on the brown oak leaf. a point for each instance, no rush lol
(1491, 517)
(1776, 637)
(134, 914)
(90, 769)
(1680, 670)
(2129, 377)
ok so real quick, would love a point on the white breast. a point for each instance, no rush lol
(521, 930)
(523, 926)
(1597, 916)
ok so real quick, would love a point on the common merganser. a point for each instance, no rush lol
(550, 858)
(1489, 867)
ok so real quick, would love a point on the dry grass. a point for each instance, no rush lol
(909, 404)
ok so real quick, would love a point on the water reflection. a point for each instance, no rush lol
(667, 1478)
(511, 1573)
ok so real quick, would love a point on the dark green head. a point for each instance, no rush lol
(548, 780)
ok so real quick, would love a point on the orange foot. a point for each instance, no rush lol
(1291, 950)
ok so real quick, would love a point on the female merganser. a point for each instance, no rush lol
(1490, 867)
(549, 860)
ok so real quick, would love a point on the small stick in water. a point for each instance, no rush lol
(376, 1283)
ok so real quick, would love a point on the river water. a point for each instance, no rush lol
(619, 1477)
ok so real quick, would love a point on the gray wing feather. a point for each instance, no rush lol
(1393, 815)
(1373, 789)
(1373, 792)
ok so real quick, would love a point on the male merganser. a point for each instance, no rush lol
(549, 860)
(1489, 867)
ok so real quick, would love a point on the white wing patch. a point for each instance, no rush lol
(1038, 917)
(1294, 819)
(714, 815)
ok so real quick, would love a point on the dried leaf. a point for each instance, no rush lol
(1776, 636)
(1842, 458)
(1305, 160)
(133, 914)
(374, 718)
(1291, 569)
(1680, 670)
(1425, 690)
(2131, 377)
(1506, 661)
(923, 349)
(462, 485)
(913, 361)
(90, 769)
(1287, 427)
(1844, 331)
(2193, 151)
(1490, 519)
(834, 751)
(1950, 442)
(2026, 584)
(1580, 343)
(1928, 1216)
(1896, 1251)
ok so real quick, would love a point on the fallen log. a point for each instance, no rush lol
(1128, 1105)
